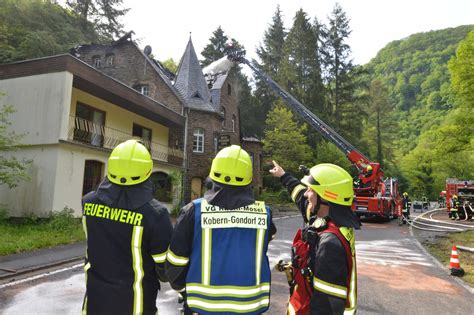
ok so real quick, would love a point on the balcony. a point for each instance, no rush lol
(86, 132)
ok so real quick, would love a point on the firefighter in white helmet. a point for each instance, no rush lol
(324, 197)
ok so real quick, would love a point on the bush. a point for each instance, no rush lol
(62, 220)
(284, 196)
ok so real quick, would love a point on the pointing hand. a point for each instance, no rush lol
(277, 170)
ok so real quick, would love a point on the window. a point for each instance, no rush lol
(92, 176)
(216, 142)
(144, 89)
(109, 59)
(229, 89)
(162, 186)
(97, 61)
(198, 140)
(89, 125)
(143, 133)
(223, 114)
(233, 123)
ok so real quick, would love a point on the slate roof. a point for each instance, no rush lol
(190, 82)
(217, 88)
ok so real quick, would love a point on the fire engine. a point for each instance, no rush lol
(464, 190)
(375, 196)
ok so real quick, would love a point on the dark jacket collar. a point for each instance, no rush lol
(227, 196)
(125, 197)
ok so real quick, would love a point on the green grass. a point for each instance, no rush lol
(441, 249)
(33, 233)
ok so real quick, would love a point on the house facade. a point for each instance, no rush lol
(72, 116)
(74, 109)
(209, 103)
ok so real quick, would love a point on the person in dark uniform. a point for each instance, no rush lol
(406, 208)
(217, 257)
(128, 233)
(455, 204)
(324, 197)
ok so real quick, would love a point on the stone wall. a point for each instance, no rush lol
(130, 67)
(255, 149)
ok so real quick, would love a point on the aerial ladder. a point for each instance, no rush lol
(375, 196)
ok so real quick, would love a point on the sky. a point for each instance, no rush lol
(167, 25)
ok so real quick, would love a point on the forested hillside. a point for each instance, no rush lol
(37, 28)
(431, 144)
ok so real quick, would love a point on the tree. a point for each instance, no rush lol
(171, 65)
(271, 51)
(381, 125)
(300, 69)
(461, 68)
(339, 74)
(12, 170)
(103, 14)
(218, 47)
(270, 54)
(285, 140)
(35, 28)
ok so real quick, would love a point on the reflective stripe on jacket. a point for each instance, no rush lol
(229, 270)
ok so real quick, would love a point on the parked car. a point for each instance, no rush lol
(417, 206)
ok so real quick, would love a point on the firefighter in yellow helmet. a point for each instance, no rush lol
(324, 197)
(455, 204)
(220, 241)
(406, 205)
(128, 233)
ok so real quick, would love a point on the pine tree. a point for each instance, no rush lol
(340, 76)
(217, 47)
(103, 14)
(381, 125)
(299, 65)
(300, 72)
(270, 54)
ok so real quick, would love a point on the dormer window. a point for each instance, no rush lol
(109, 59)
(197, 95)
(142, 88)
(97, 61)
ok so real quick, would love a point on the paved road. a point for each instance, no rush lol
(395, 276)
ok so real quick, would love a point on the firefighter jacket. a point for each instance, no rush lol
(455, 204)
(128, 233)
(334, 277)
(406, 204)
(217, 256)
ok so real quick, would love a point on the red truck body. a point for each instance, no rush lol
(464, 190)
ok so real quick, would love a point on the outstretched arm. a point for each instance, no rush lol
(294, 186)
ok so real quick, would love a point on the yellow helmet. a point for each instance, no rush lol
(331, 182)
(455, 197)
(232, 166)
(129, 163)
(405, 194)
